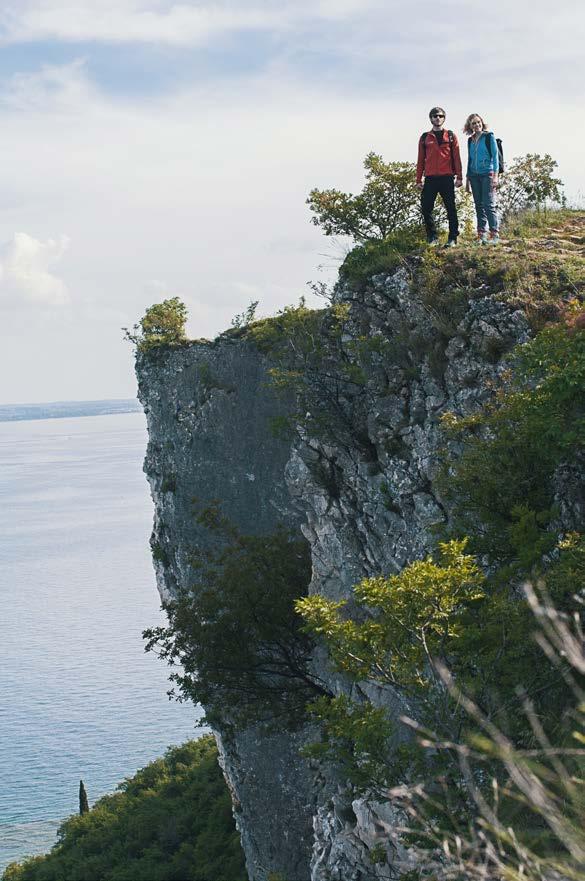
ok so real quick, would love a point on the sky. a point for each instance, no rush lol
(153, 149)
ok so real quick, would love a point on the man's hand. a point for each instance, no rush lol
(458, 182)
(420, 184)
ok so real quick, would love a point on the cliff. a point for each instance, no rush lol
(357, 478)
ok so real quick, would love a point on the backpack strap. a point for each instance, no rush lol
(450, 136)
(500, 152)
(423, 141)
(501, 162)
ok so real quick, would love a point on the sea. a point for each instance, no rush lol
(79, 697)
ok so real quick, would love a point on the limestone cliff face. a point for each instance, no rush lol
(208, 408)
(364, 497)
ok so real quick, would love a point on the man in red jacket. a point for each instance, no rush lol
(439, 163)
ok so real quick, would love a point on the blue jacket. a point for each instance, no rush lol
(479, 160)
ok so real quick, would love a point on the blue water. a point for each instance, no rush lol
(79, 698)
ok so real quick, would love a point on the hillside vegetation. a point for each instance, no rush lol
(171, 821)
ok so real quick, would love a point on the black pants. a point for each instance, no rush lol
(445, 185)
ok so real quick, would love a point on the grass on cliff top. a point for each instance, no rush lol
(171, 821)
(538, 267)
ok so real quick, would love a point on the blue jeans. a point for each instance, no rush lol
(484, 197)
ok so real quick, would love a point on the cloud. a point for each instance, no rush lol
(202, 184)
(52, 88)
(380, 34)
(177, 24)
(25, 272)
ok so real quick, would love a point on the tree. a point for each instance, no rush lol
(529, 183)
(83, 802)
(389, 201)
(171, 820)
(163, 324)
(415, 617)
(235, 632)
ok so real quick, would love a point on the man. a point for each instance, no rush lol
(439, 163)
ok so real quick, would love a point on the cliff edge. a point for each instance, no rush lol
(343, 447)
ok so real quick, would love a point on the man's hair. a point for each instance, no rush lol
(436, 110)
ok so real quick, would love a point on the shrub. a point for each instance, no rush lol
(389, 201)
(378, 257)
(529, 183)
(163, 324)
(171, 820)
(526, 812)
(235, 633)
(501, 485)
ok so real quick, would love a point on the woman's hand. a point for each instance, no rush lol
(494, 180)
(467, 186)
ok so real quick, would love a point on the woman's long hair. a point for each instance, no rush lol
(467, 127)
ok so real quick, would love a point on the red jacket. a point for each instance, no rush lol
(436, 158)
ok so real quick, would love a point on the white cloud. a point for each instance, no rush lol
(26, 275)
(512, 36)
(53, 88)
(179, 24)
(203, 187)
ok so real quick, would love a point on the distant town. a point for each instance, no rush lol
(64, 409)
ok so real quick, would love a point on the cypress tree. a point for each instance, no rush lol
(83, 802)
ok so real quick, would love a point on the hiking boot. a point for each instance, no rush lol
(494, 237)
(432, 243)
(482, 237)
(450, 243)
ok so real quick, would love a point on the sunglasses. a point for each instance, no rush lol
(437, 116)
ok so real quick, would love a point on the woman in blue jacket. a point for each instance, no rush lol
(482, 176)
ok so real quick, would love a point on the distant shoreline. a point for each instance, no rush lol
(67, 409)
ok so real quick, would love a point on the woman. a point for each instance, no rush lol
(482, 176)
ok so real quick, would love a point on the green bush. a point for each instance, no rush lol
(529, 183)
(379, 257)
(163, 324)
(440, 611)
(172, 821)
(389, 201)
(235, 633)
(501, 486)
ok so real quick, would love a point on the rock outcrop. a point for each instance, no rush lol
(365, 498)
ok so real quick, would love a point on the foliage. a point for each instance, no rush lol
(400, 630)
(378, 257)
(416, 616)
(501, 486)
(172, 821)
(163, 324)
(311, 366)
(540, 267)
(355, 737)
(83, 802)
(235, 634)
(243, 319)
(529, 183)
(294, 328)
(527, 817)
(389, 201)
